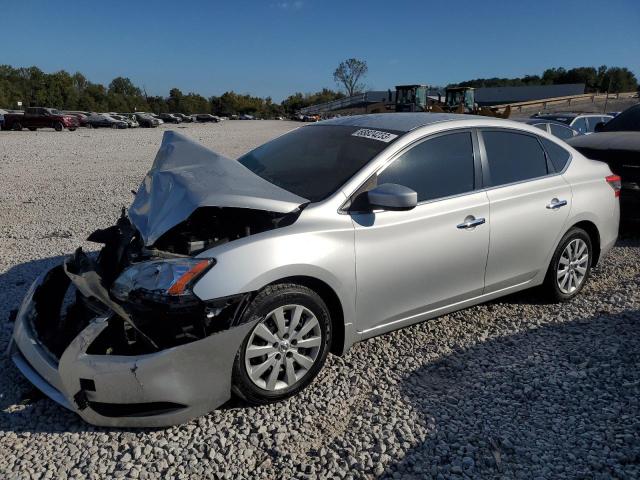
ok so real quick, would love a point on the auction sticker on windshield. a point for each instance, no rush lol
(385, 137)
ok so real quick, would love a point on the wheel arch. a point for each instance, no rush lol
(331, 299)
(594, 236)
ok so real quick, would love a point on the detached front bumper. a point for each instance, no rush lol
(163, 388)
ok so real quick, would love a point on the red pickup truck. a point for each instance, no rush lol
(38, 117)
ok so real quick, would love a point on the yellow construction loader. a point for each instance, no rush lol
(414, 98)
(462, 100)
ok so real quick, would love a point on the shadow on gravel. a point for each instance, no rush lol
(558, 401)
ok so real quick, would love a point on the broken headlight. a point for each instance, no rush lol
(165, 278)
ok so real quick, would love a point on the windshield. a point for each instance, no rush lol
(314, 161)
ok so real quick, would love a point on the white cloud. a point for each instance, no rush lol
(295, 5)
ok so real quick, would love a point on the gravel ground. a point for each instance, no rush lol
(513, 389)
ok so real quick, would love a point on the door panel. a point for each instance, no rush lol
(525, 228)
(410, 262)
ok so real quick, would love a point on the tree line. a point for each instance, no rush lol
(601, 79)
(67, 91)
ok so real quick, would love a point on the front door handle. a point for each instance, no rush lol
(555, 203)
(471, 222)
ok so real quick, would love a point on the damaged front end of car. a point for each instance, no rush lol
(120, 337)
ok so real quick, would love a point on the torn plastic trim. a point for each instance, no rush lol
(185, 176)
(81, 271)
(196, 375)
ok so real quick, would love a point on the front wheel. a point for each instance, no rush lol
(570, 266)
(58, 126)
(286, 348)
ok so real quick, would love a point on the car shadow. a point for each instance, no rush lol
(531, 404)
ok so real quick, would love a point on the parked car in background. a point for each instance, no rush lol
(129, 120)
(146, 120)
(627, 121)
(82, 119)
(34, 118)
(585, 123)
(621, 151)
(558, 129)
(183, 117)
(104, 120)
(206, 117)
(157, 117)
(169, 118)
(242, 275)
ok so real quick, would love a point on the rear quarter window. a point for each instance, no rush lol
(558, 155)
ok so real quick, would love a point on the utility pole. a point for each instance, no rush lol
(606, 99)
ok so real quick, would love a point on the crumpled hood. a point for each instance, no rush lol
(185, 176)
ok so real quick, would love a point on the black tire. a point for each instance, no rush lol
(72, 129)
(17, 127)
(58, 126)
(267, 300)
(32, 129)
(551, 282)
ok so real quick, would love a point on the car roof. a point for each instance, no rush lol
(400, 121)
(537, 120)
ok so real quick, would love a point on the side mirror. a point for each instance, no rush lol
(391, 196)
(598, 127)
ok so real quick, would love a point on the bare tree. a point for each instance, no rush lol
(349, 74)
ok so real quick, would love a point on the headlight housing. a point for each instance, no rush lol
(167, 278)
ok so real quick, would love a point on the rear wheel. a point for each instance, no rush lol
(570, 266)
(17, 126)
(287, 347)
(58, 126)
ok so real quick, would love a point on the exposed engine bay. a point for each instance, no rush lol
(191, 200)
(143, 320)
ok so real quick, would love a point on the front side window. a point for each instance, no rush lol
(314, 161)
(561, 131)
(436, 168)
(513, 157)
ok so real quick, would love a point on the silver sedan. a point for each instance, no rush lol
(239, 277)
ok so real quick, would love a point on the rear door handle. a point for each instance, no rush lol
(471, 222)
(555, 203)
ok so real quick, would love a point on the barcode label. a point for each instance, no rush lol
(385, 137)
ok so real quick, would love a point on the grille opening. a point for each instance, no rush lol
(148, 409)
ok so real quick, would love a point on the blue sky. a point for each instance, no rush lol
(277, 47)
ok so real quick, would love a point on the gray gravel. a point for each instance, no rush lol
(513, 389)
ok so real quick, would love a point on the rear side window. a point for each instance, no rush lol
(561, 131)
(436, 168)
(513, 157)
(580, 124)
(558, 155)
(593, 121)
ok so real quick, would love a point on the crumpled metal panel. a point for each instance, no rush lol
(196, 375)
(185, 176)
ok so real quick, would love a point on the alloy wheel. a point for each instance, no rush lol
(283, 347)
(572, 266)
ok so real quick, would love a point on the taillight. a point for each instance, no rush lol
(614, 182)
